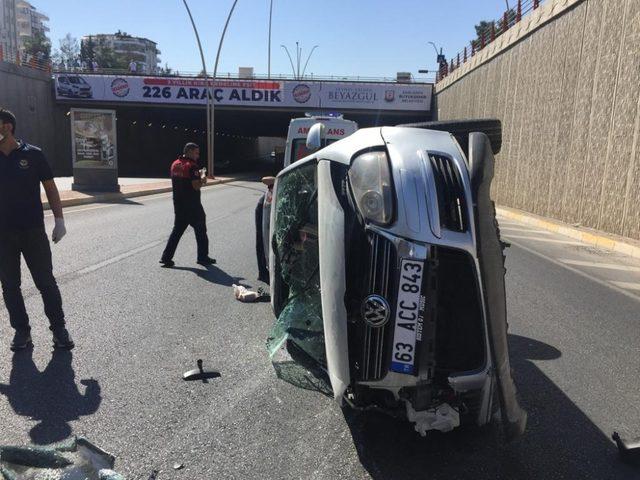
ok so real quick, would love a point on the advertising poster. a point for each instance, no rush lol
(375, 96)
(304, 94)
(93, 138)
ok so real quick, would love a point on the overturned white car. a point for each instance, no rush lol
(387, 275)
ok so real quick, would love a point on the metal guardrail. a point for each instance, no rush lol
(25, 60)
(46, 65)
(235, 76)
(496, 28)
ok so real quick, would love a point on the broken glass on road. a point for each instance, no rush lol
(74, 459)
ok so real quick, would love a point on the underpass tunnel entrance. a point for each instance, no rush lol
(149, 138)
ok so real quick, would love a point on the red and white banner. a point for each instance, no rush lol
(246, 93)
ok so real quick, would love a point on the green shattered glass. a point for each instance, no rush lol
(74, 459)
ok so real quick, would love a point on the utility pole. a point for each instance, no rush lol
(269, 60)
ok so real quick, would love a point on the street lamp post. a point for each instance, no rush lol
(215, 71)
(290, 60)
(296, 71)
(439, 55)
(434, 46)
(308, 58)
(209, 98)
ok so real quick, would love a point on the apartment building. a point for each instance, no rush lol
(29, 22)
(142, 51)
(8, 30)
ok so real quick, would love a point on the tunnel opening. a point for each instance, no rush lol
(149, 138)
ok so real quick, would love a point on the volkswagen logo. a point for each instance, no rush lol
(375, 311)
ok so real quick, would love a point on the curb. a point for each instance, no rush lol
(108, 197)
(597, 239)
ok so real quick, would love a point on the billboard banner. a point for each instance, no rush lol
(245, 93)
(93, 138)
(375, 96)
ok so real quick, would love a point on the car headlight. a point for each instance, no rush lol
(370, 179)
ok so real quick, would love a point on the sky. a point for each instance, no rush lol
(368, 38)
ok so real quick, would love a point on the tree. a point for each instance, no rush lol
(38, 46)
(88, 50)
(166, 70)
(68, 52)
(485, 26)
(483, 29)
(106, 57)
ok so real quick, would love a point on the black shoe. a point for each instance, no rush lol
(61, 339)
(206, 261)
(167, 263)
(21, 340)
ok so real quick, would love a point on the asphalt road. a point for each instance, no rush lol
(574, 315)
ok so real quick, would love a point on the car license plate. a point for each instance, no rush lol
(409, 314)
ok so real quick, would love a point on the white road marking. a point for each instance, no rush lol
(66, 211)
(141, 199)
(525, 230)
(547, 240)
(609, 266)
(579, 272)
(627, 285)
(130, 253)
(117, 258)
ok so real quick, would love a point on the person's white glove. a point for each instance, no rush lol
(59, 230)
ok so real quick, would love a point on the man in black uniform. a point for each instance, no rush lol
(187, 179)
(263, 210)
(22, 168)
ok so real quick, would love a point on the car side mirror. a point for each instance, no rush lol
(315, 136)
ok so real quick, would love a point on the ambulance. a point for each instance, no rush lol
(335, 128)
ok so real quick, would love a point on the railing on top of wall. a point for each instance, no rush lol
(494, 30)
(26, 60)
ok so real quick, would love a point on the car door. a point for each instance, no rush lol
(63, 85)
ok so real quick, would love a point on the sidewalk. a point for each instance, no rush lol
(596, 238)
(129, 187)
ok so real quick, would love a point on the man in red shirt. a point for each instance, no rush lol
(187, 179)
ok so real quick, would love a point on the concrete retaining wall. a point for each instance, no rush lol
(27, 93)
(566, 84)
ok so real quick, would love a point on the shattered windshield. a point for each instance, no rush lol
(297, 336)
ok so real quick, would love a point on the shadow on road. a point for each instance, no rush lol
(50, 397)
(560, 441)
(213, 274)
